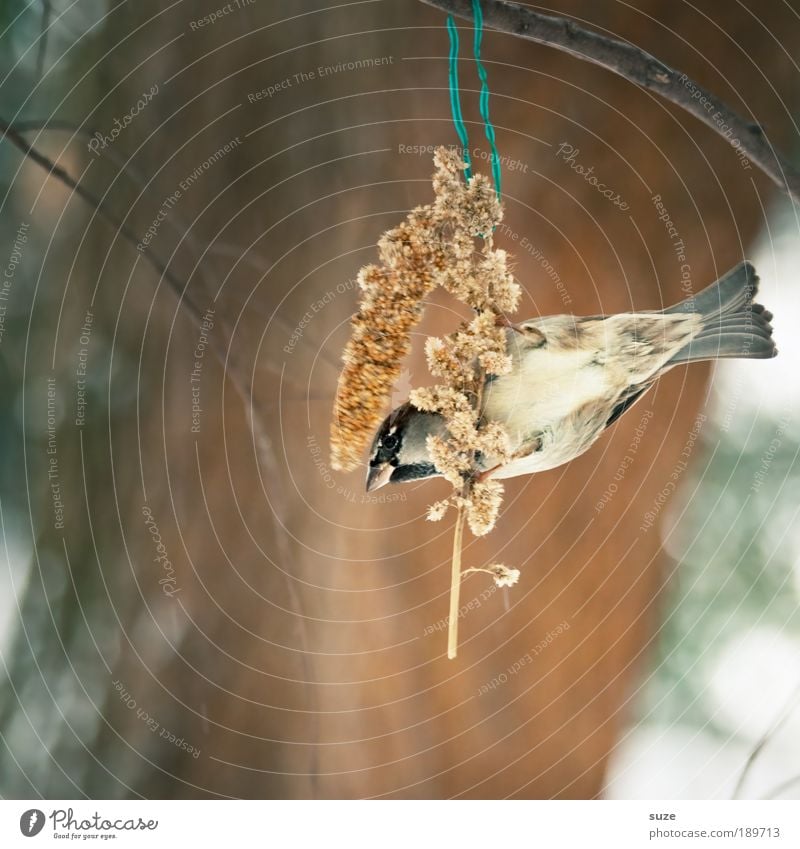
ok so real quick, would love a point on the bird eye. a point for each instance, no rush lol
(389, 442)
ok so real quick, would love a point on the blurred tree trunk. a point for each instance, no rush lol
(302, 655)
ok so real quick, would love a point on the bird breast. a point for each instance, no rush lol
(546, 402)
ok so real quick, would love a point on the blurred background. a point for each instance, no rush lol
(192, 603)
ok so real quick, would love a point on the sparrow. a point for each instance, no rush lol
(572, 377)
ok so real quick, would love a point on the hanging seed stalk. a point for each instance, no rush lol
(437, 245)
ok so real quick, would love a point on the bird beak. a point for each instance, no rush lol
(378, 476)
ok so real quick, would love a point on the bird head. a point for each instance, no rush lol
(399, 451)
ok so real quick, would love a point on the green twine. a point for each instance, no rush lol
(455, 97)
(484, 98)
(483, 103)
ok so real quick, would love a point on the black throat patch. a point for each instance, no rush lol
(413, 472)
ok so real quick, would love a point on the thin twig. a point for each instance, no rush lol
(639, 67)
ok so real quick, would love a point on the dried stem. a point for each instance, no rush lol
(455, 578)
(456, 572)
(639, 67)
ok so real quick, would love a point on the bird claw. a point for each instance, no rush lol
(485, 475)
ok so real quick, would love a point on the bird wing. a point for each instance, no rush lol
(633, 346)
(643, 343)
(627, 400)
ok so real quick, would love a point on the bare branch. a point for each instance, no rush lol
(15, 132)
(16, 138)
(639, 67)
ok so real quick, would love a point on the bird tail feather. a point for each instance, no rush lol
(733, 326)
